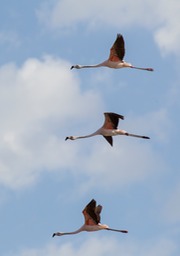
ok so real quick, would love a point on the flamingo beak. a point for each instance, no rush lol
(66, 138)
(72, 67)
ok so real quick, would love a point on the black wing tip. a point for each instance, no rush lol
(109, 139)
(121, 117)
(119, 35)
(111, 144)
(92, 202)
(115, 114)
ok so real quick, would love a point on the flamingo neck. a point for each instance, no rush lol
(88, 66)
(86, 136)
(92, 66)
(71, 233)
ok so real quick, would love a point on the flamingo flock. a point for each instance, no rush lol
(92, 218)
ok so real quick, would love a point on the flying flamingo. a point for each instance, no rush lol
(92, 221)
(115, 59)
(109, 129)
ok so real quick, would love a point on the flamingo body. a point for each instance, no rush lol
(115, 59)
(109, 129)
(91, 221)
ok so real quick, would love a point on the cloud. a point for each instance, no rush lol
(37, 101)
(167, 35)
(171, 211)
(129, 162)
(41, 103)
(106, 246)
(162, 17)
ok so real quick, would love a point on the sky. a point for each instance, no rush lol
(45, 181)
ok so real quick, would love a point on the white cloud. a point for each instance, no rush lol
(167, 34)
(171, 211)
(106, 246)
(157, 124)
(40, 104)
(95, 13)
(128, 162)
(162, 17)
(37, 101)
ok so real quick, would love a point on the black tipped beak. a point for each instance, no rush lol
(72, 67)
(66, 138)
(53, 235)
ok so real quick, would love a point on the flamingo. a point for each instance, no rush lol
(109, 129)
(92, 221)
(115, 59)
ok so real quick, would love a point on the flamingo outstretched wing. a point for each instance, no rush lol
(92, 213)
(111, 120)
(117, 51)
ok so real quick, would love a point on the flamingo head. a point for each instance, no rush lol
(76, 66)
(70, 138)
(57, 234)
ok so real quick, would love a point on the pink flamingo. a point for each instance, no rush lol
(115, 59)
(92, 221)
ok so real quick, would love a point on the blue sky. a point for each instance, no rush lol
(45, 181)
